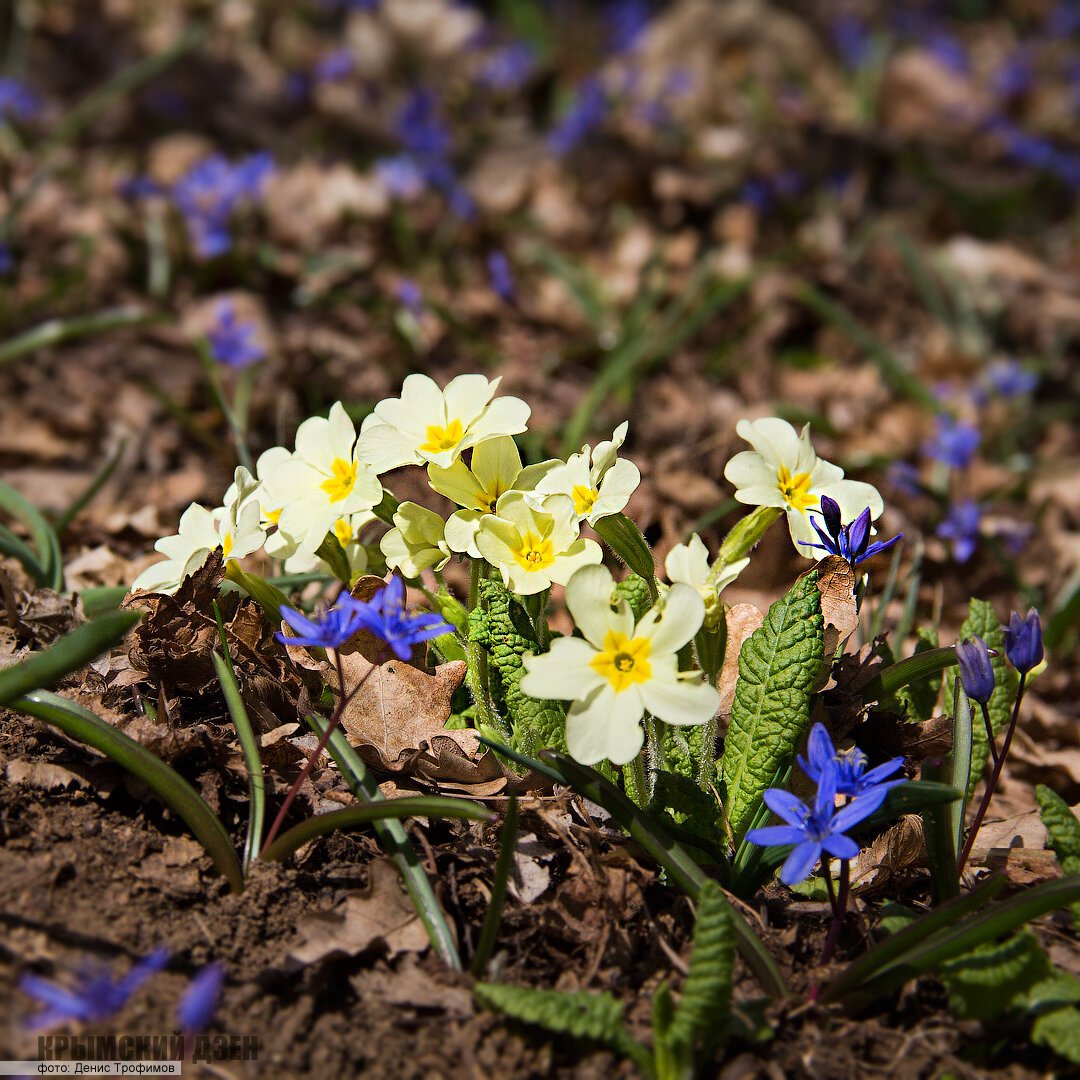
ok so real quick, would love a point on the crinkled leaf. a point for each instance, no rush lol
(583, 1015)
(989, 980)
(778, 666)
(634, 589)
(1062, 833)
(1059, 1030)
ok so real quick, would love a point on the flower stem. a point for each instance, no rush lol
(991, 786)
(839, 909)
(990, 737)
(335, 719)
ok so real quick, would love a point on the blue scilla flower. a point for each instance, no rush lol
(334, 66)
(816, 828)
(1023, 641)
(508, 68)
(954, 443)
(419, 128)
(95, 997)
(961, 527)
(208, 194)
(16, 101)
(585, 114)
(624, 22)
(852, 776)
(850, 542)
(400, 175)
(386, 616)
(328, 630)
(410, 296)
(852, 40)
(502, 280)
(7, 259)
(232, 342)
(976, 670)
(195, 1013)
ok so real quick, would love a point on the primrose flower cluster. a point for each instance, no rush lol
(315, 503)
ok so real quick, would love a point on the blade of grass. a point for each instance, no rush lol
(73, 651)
(82, 501)
(100, 599)
(493, 917)
(671, 855)
(11, 545)
(892, 371)
(162, 779)
(41, 533)
(395, 840)
(249, 744)
(57, 331)
(897, 945)
(352, 816)
(910, 669)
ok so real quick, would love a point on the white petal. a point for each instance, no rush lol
(496, 464)
(749, 469)
(588, 596)
(800, 528)
(504, 416)
(608, 725)
(385, 447)
(457, 483)
(681, 618)
(679, 701)
(564, 673)
(467, 396)
(579, 554)
(688, 563)
(461, 529)
(420, 406)
(854, 497)
(616, 488)
(774, 439)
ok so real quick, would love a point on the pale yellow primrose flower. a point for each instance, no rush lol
(427, 425)
(688, 564)
(534, 547)
(323, 481)
(416, 542)
(599, 487)
(783, 470)
(621, 669)
(495, 469)
(234, 528)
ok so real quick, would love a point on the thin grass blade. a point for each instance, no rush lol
(505, 863)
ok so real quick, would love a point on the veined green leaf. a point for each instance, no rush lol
(985, 983)
(1062, 833)
(598, 1017)
(352, 816)
(778, 665)
(162, 779)
(706, 994)
(44, 669)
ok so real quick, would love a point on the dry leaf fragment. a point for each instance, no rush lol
(836, 583)
(378, 917)
(742, 621)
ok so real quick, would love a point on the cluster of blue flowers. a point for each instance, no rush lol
(232, 341)
(821, 826)
(385, 616)
(1023, 648)
(97, 995)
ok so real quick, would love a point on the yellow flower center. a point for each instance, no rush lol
(274, 516)
(440, 439)
(226, 544)
(535, 553)
(795, 489)
(343, 531)
(342, 479)
(624, 661)
(584, 499)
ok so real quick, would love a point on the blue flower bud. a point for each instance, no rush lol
(830, 511)
(1023, 641)
(976, 671)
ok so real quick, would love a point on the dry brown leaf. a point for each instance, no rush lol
(378, 917)
(836, 583)
(53, 777)
(408, 985)
(742, 621)
(894, 851)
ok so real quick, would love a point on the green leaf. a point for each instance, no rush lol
(706, 994)
(920, 665)
(919, 698)
(598, 1017)
(635, 591)
(670, 854)
(435, 806)
(983, 622)
(986, 982)
(625, 540)
(1060, 1031)
(502, 627)
(1062, 833)
(745, 535)
(269, 598)
(778, 666)
(45, 669)
(162, 779)
(48, 561)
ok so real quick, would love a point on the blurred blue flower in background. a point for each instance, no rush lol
(232, 342)
(961, 527)
(586, 113)
(954, 443)
(17, 102)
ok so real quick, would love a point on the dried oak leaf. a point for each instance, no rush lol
(892, 852)
(396, 720)
(836, 583)
(378, 917)
(742, 620)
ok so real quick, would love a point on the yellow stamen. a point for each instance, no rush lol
(795, 489)
(343, 480)
(584, 499)
(535, 553)
(274, 516)
(440, 439)
(226, 544)
(624, 661)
